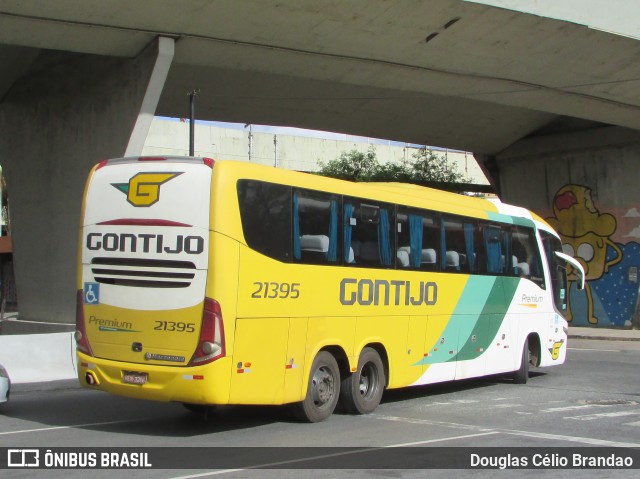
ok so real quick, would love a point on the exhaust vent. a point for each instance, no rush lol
(143, 273)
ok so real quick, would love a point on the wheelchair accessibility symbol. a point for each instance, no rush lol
(91, 293)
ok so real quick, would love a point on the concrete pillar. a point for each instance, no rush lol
(68, 113)
(587, 184)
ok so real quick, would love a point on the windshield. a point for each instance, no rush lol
(557, 271)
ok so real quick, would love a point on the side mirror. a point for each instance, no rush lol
(576, 266)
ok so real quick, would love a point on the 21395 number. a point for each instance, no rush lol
(268, 290)
(172, 326)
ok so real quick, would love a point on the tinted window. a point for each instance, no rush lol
(527, 263)
(316, 227)
(460, 244)
(557, 270)
(418, 239)
(497, 251)
(367, 232)
(265, 211)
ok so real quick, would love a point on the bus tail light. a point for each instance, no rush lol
(102, 164)
(211, 342)
(82, 342)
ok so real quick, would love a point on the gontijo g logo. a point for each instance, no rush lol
(144, 188)
(555, 349)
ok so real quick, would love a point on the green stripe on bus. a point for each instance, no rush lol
(478, 331)
(489, 323)
(478, 290)
(511, 220)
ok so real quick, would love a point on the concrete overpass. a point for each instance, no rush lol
(542, 102)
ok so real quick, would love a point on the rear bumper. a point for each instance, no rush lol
(207, 384)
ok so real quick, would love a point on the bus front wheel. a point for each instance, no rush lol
(521, 375)
(323, 389)
(361, 391)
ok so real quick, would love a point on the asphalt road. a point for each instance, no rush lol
(593, 401)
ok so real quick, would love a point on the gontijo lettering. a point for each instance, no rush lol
(366, 292)
(145, 243)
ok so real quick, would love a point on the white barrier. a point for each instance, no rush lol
(33, 358)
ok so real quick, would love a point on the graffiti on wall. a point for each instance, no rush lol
(597, 240)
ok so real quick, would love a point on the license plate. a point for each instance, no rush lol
(130, 377)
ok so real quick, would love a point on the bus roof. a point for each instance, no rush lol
(406, 194)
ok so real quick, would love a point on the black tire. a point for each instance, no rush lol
(361, 391)
(323, 389)
(521, 375)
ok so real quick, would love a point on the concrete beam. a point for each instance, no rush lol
(166, 50)
(69, 112)
(604, 159)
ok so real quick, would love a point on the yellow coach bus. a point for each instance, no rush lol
(217, 282)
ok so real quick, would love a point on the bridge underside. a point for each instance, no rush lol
(542, 103)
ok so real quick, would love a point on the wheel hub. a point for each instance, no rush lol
(368, 380)
(323, 387)
(364, 385)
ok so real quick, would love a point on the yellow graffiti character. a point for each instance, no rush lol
(585, 234)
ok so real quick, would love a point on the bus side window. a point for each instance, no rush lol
(495, 251)
(368, 238)
(472, 244)
(528, 263)
(418, 238)
(459, 243)
(265, 213)
(316, 232)
(430, 242)
(450, 259)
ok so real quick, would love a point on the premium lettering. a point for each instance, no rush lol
(532, 299)
(112, 324)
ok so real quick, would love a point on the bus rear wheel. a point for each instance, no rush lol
(521, 375)
(323, 389)
(361, 391)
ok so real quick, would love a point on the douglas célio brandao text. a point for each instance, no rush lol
(567, 460)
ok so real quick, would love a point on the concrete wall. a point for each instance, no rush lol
(586, 184)
(294, 152)
(67, 114)
(38, 357)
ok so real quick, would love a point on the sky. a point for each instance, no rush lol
(615, 16)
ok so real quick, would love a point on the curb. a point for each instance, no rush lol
(601, 338)
(59, 385)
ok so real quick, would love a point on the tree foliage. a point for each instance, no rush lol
(426, 166)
